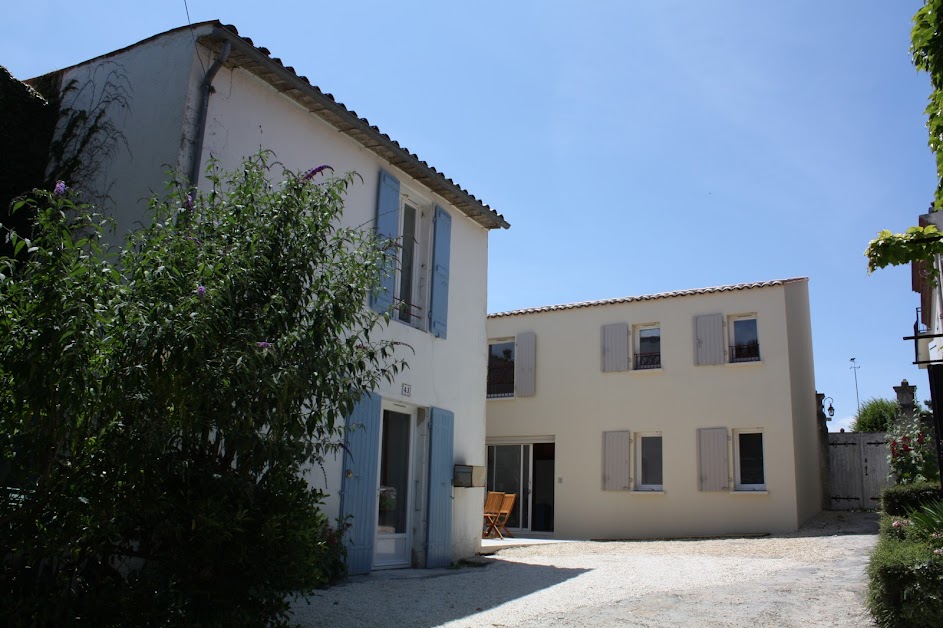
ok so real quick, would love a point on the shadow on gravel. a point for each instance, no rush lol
(382, 599)
(839, 523)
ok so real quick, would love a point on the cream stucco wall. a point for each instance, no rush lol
(576, 402)
(246, 114)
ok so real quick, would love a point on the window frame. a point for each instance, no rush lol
(422, 251)
(639, 438)
(738, 485)
(513, 365)
(732, 321)
(636, 346)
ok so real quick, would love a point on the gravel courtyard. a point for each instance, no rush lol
(812, 578)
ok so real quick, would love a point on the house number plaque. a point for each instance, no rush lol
(407, 390)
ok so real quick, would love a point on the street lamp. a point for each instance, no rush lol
(831, 408)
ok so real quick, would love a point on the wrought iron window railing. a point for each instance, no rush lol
(650, 360)
(501, 379)
(746, 352)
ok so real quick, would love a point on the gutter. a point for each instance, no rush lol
(206, 90)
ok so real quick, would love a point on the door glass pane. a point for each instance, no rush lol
(542, 496)
(507, 476)
(394, 473)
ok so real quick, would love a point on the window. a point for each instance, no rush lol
(744, 340)
(501, 369)
(649, 463)
(413, 290)
(748, 461)
(648, 347)
(512, 366)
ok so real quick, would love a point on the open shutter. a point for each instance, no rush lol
(439, 528)
(441, 252)
(615, 460)
(615, 347)
(712, 459)
(525, 364)
(709, 339)
(387, 224)
(360, 481)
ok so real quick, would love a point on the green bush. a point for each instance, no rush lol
(158, 406)
(902, 499)
(905, 584)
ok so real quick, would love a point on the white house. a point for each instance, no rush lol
(203, 91)
(684, 413)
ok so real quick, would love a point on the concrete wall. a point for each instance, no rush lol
(575, 403)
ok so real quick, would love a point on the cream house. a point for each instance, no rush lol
(204, 92)
(677, 414)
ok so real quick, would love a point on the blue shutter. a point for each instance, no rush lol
(387, 230)
(441, 252)
(439, 529)
(360, 481)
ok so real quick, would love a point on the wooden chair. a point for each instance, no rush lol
(507, 506)
(492, 510)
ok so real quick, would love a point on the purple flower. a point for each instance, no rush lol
(310, 174)
(60, 188)
(264, 345)
(200, 291)
(188, 203)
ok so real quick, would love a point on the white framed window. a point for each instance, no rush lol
(749, 460)
(411, 305)
(648, 458)
(744, 338)
(647, 346)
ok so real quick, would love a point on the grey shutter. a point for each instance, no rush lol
(387, 226)
(615, 347)
(712, 463)
(525, 364)
(709, 339)
(360, 480)
(441, 460)
(615, 460)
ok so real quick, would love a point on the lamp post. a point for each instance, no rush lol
(855, 367)
(831, 408)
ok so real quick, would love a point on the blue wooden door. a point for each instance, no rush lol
(359, 485)
(439, 530)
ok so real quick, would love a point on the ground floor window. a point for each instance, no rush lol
(649, 472)
(748, 461)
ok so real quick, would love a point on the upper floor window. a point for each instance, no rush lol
(501, 369)
(648, 347)
(744, 339)
(415, 287)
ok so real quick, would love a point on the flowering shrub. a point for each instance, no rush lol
(910, 452)
(158, 406)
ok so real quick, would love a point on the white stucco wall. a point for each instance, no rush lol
(575, 403)
(246, 113)
(161, 75)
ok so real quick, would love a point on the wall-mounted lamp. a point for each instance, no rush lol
(830, 409)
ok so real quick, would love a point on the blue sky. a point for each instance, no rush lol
(635, 147)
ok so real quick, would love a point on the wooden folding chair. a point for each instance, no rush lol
(507, 505)
(492, 509)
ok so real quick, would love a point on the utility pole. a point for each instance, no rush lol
(854, 368)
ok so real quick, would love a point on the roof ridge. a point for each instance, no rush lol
(649, 297)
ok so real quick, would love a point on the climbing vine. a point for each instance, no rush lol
(921, 243)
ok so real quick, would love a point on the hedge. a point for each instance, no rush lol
(905, 584)
(902, 499)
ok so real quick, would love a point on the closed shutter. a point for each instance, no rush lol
(712, 459)
(615, 347)
(360, 481)
(441, 252)
(709, 339)
(387, 224)
(525, 364)
(615, 460)
(439, 529)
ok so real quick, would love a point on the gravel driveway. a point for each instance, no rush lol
(812, 578)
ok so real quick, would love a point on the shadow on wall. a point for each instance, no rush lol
(395, 600)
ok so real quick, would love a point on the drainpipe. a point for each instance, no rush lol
(206, 89)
